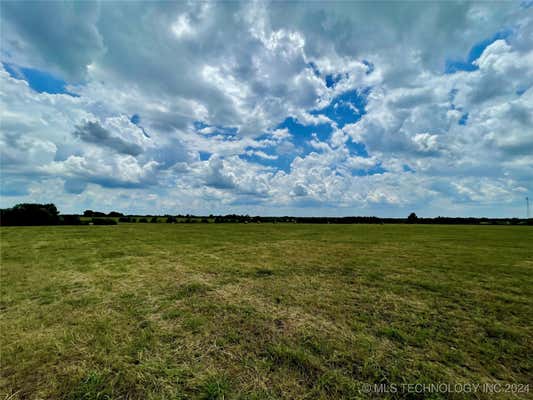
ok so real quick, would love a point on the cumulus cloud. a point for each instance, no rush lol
(276, 107)
(61, 37)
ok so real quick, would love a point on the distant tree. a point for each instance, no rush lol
(171, 219)
(115, 214)
(30, 214)
(205, 220)
(153, 220)
(91, 213)
(412, 218)
(124, 219)
(143, 220)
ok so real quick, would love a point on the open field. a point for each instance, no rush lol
(263, 311)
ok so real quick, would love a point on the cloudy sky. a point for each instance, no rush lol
(347, 108)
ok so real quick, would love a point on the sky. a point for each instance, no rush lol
(268, 108)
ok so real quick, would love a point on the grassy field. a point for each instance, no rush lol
(263, 311)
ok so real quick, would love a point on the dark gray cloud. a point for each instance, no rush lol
(93, 132)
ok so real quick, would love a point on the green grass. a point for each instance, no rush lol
(266, 311)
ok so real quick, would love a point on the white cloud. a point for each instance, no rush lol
(220, 78)
(182, 26)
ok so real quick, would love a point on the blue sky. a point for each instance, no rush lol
(39, 81)
(270, 108)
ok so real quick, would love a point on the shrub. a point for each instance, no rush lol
(70, 220)
(103, 221)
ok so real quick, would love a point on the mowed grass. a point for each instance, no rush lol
(266, 311)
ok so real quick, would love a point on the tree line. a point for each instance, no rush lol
(47, 214)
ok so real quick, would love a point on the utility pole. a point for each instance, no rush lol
(527, 207)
